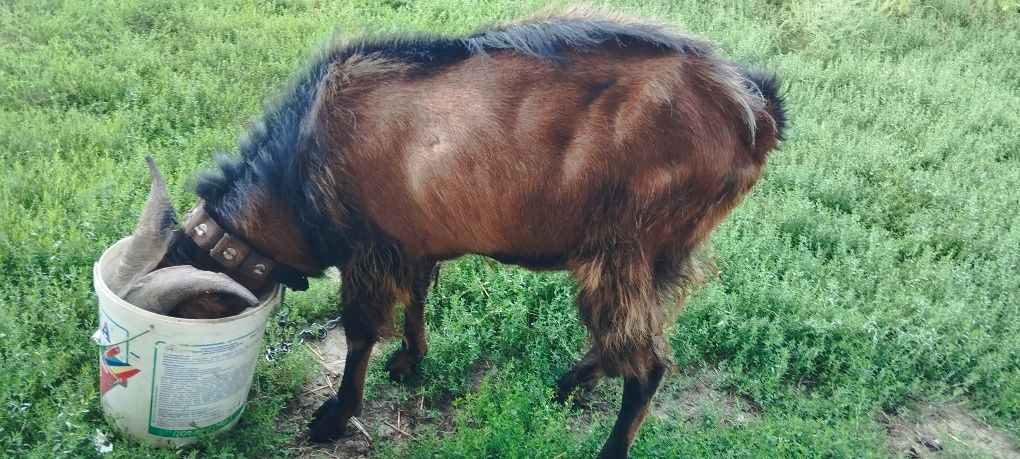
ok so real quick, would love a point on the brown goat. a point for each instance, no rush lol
(606, 147)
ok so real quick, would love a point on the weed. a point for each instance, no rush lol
(875, 264)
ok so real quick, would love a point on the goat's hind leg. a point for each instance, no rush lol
(618, 303)
(404, 364)
(637, 394)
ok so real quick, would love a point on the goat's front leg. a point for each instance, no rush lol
(330, 421)
(405, 363)
(367, 305)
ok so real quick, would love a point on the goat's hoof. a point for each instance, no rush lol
(579, 396)
(614, 448)
(404, 367)
(561, 397)
(574, 400)
(328, 423)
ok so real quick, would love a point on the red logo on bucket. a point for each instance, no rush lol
(113, 371)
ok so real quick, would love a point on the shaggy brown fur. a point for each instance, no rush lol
(605, 147)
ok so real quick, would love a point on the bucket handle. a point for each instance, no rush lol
(97, 334)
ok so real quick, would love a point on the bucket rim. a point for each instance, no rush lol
(102, 289)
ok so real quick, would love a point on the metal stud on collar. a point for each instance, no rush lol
(201, 229)
(259, 269)
(229, 253)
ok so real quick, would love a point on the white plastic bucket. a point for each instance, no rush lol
(167, 380)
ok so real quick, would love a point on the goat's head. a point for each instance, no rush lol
(137, 280)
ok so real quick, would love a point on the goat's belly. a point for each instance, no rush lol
(506, 224)
(526, 240)
(536, 262)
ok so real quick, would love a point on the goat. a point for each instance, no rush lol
(607, 147)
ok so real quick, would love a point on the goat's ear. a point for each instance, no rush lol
(152, 236)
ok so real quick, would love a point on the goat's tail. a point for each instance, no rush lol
(770, 123)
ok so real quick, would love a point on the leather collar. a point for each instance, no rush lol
(234, 254)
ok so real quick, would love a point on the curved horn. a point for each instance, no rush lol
(163, 289)
(151, 238)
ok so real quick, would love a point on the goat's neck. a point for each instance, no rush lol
(271, 227)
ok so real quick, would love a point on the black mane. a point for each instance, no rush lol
(276, 153)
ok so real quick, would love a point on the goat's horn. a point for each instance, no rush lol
(161, 290)
(151, 238)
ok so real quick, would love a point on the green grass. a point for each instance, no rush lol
(875, 265)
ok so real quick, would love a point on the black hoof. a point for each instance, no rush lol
(614, 449)
(578, 394)
(565, 386)
(403, 367)
(328, 423)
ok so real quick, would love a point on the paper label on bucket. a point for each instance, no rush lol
(200, 387)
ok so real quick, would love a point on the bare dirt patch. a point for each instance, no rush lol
(391, 419)
(935, 431)
(689, 397)
(380, 420)
(683, 397)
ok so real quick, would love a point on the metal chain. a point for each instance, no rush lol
(315, 330)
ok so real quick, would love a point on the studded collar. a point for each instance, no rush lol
(236, 255)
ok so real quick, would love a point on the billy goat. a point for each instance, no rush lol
(607, 147)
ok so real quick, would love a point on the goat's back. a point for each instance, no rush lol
(512, 156)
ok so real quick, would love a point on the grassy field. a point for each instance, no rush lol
(875, 268)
